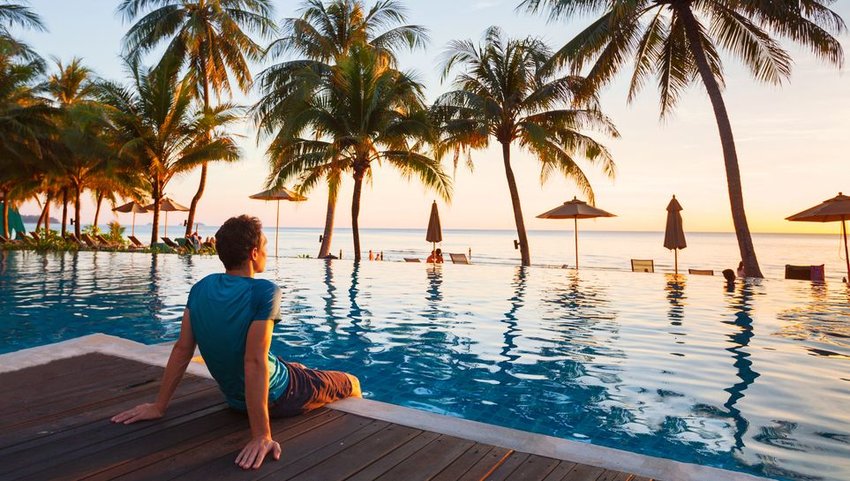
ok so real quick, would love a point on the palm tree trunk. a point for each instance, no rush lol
(190, 221)
(47, 213)
(727, 141)
(325, 249)
(77, 193)
(97, 211)
(359, 172)
(520, 223)
(156, 197)
(41, 218)
(6, 213)
(64, 211)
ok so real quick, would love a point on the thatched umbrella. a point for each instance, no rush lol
(674, 234)
(836, 209)
(167, 205)
(133, 207)
(575, 209)
(278, 195)
(435, 231)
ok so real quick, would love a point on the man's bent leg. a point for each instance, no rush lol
(311, 388)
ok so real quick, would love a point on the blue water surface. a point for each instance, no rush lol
(754, 379)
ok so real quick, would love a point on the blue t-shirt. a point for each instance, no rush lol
(221, 309)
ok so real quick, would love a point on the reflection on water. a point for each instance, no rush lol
(751, 379)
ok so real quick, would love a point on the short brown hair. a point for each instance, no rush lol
(236, 238)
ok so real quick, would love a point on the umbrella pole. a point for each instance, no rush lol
(846, 258)
(575, 221)
(277, 228)
(166, 223)
(133, 229)
(676, 261)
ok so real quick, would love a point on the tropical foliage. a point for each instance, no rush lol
(682, 41)
(507, 90)
(210, 38)
(321, 37)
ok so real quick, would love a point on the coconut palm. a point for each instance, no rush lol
(26, 127)
(160, 131)
(323, 34)
(209, 37)
(680, 41)
(358, 112)
(14, 14)
(506, 91)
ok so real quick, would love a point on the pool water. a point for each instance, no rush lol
(756, 379)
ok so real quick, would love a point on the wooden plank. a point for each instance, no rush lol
(59, 425)
(535, 468)
(294, 468)
(360, 455)
(509, 466)
(54, 460)
(429, 460)
(463, 464)
(610, 475)
(102, 430)
(583, 472)
(54, 373)
(392, 459)
(489, 463)
(641, 478)
(560, 471)
(225, 448)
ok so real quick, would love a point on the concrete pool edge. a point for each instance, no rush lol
(541, 445)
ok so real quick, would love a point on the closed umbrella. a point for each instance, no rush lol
(133, 207)
(674, 234)
(167, 205)
(575, 209)
(836, 209)
(278, 195)
(435, 231)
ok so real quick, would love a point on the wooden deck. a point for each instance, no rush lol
(54, 424)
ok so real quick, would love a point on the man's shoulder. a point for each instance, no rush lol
(265, 287)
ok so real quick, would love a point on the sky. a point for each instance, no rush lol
(793, 140)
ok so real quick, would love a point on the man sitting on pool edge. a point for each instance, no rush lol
(230, 317)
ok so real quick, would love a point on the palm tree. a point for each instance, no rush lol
(161, 133)
(18, 15)
(507, 91)
(680, 41)
(358, 112)
(209, 38)
(82, 127)
(322, 35)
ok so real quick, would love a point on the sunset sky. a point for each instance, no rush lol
(793, 140)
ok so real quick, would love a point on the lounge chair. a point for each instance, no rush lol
(805, 273)
(89, 241)
(643, 265)
(701, 272)
(104, 242)
(4, 240)
(170, 243)
(411, 259)
(35, 236)
(74, 239)
(134, 242)
(459, 259)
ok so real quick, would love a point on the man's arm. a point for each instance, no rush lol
(257, 397)
(181, 356)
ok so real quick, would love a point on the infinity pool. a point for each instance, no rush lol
(754, 380)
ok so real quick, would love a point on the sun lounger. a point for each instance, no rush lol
(805, 273)
(459, 259)
(643, 265)
(89, 241)
(4, 240)
(701, 272)
(74, 239)
(170, 243)
(134, 242)
(35, 236)
(104, 242)
(411, 259)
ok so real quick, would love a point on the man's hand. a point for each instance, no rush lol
(142, 412)
(255, 452)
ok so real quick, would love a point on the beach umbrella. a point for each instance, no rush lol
(674, 234)
(133, 207)
(575, 209)
(167, 205)
(435, 231)
(278, 195)
(836, 209)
